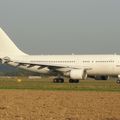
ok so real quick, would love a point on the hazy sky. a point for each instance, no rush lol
(62, 26)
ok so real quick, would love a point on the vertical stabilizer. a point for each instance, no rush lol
(7, 47)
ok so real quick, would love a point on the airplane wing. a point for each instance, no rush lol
(50, 65)
(44, 64)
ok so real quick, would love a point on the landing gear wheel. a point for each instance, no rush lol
(55, 80)
(73, 81)
(61, 80)
(76, 81)
(118, 81)
(58, 80)
(70, 81)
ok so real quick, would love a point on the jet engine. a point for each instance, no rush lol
(78, 74)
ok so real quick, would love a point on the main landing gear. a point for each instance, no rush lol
(73, 81)
(118, 81)
(58, 80)
(61, 80)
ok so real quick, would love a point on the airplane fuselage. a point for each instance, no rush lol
(98, 64)
(76, 67)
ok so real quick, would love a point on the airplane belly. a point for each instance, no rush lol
(117, 69)
(102, 70)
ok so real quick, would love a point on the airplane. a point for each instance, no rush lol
(75, 67)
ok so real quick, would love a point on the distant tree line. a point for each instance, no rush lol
(18, 73)
(11, 71)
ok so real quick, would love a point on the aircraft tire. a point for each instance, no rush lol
(73, 81)
(58, 80)
(118, 81)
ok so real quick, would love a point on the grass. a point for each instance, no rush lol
(46, 84)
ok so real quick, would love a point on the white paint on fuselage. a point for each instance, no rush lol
(99, 64)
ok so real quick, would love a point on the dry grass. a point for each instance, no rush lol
(58, 105)
(43, 100)
(47, 84)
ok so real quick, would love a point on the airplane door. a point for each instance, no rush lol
(117, 65)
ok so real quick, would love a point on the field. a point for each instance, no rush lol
(47, 84)
(40, 99)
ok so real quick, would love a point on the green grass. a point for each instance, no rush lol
(46, 84)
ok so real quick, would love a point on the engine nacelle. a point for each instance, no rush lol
(78, 74)
(102, 77)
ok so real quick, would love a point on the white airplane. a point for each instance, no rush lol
(75, 67)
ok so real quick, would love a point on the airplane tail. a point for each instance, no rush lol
(7, 47)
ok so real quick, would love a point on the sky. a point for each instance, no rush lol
(62, 26)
